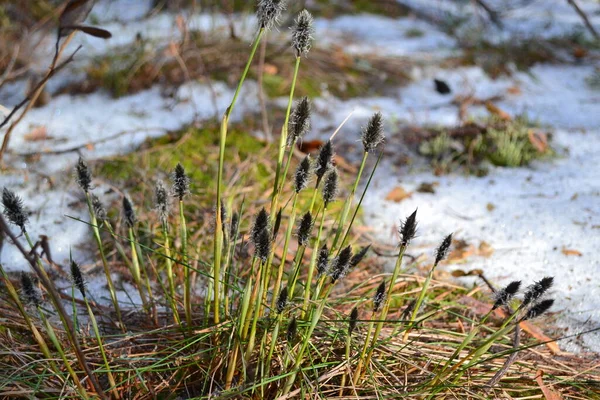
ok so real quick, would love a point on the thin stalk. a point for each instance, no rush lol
(296, 271)
(218, 238)
(347, 355)
(187, 291)
(418, 303)
(274, 337)
(361, 359)
(111, 378)
(135, 260)
(348, 203)
(54, 339)
(169, 261)
(283, 140)
(286, 243)
(311, 267)
(109, 281)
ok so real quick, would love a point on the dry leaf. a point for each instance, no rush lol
(485, 249)
(539, 140)
(398, 194)
(37, 134)
(490, 207)
(571, 252)
(514, 90)
(310, 146)
(549, 393)
(495, 110)
(428, 187)
(270, 69)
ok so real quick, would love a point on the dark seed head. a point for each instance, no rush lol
(299, 123)
(14, 210)
(339, 265)
(537, 290)
(282, 300)
(83, 175)
(379, 296)
(181, 182)
(292, 330)
(302, 33)
(161, 200)
(372, 134)
(223, 210)
(324, 160)
(323, 260)
(277, 224)
(302, 175)
(442, 250)
(98, 207)
(233, 226)
(538, 309)
(505, 295)
(330, 187)
(304, 229)
(408, 229)
(357, 258)
(261, 223)
(32, 294)
(77, 278)
(352, 321)
(269, 12)
(128, 212)
(262, 246)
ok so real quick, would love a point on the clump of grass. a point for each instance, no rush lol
(498, 142)
(232, 347)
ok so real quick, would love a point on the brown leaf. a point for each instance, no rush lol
(571, 252)
(495, 110)
(549, 394)
(398, 194)
(427, 187)
(515, 90)
(37, 134)
(539, 140)
(270, 69)
(310, 146)
(485, 249)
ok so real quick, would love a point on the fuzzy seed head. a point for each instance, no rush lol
(282, 300)
(77, 278)
(181, 182)
(98, 207)
(292, 330)
(330, 187)
(302, 175)
(537, 290)
(357, 258)
(14, 210)
(408, 229)
(339, 266)
(379, 296)
(31, 292)
(161, 202)
(262, 246)
(324, 160)
(306, 223)
(277, 224)
(505, 295)
(372, 134)
(538, 309)
(299, 124)
(302, 33)
(442, 250)
(234, 224)
(323, 260)
(352, 321)
(83, 175)
(269, 12)
(128, 212)
(261, 223)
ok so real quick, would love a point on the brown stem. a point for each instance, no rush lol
(585, 19)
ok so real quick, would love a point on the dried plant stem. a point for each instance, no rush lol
(279, 179)
(109, 281)
(135, 261)
(348, 204)
(218, 237)
(111, 378)
(349, 370)
(357, 373)
(54, 339)
(274, 338)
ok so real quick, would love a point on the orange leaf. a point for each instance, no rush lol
(549, 393)
(398, 194)
(37, 134)
(495, 110)
(539, 140)
(571, 252)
